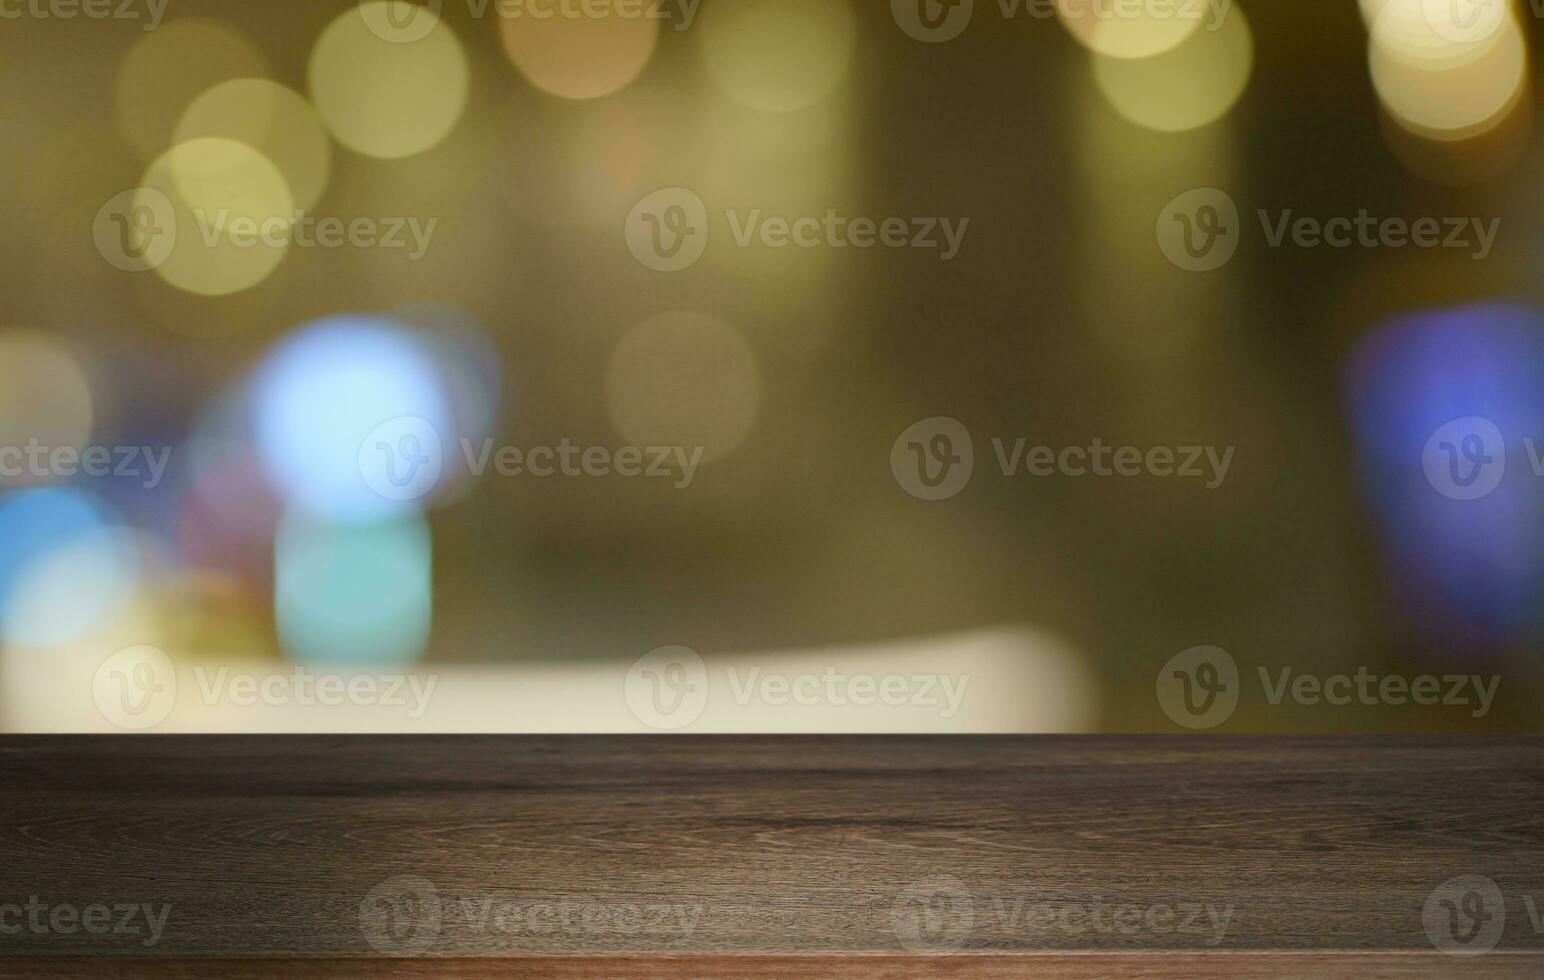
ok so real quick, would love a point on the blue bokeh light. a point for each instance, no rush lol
(320, 397)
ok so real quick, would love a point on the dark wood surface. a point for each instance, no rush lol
(620, 856)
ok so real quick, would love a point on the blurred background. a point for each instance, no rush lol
(284, 282)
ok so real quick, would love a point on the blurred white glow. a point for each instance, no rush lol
(327, 390)
(65, 567)
(683, 379)
(357, 594)
(778, 55)
(387, 86)
(231, 214)
(44, 396)
(1439, 87)
(594, 52)
(1186, 87)
(276, 121)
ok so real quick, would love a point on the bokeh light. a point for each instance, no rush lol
(276, 121)
(1122, 30)
(581, 51)
(778, 55)
(1463, 570)
(44, 396)
(1186, 87)
(683, 379)
(168, 67)
(324, 392)
(65, 566)
(384, 85)
(1440, 87)
(353, 594)
(231, 215)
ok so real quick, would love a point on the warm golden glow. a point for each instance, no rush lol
(232, 215)
(275, 120)
(385, 90)
(574, 53)
(168, 67)
(1188, 87)
(778, 55)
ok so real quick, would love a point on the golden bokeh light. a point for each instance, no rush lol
(584, 51)
(386, 86)
(1122, 30)
(167, 68)
(231, 214)
(686, 380)
(276, 121)
(1439, 87)
(778, 55)
(45, 399)
(1187, 87)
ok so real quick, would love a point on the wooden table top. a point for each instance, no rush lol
(740, 856)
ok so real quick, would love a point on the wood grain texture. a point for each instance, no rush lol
(1246, 852)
